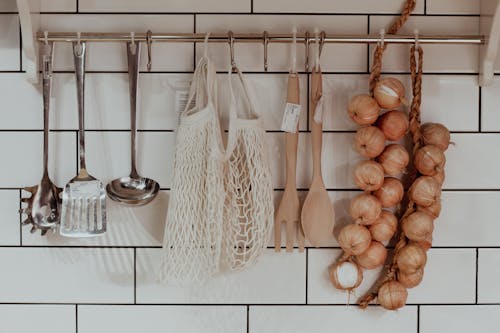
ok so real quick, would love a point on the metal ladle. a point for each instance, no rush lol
(133, 190)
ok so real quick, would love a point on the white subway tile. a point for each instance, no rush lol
(490, 113)
(23, 167)
(336, 6)
(437, 58)
(459, 7)
(267, 319)
(268, 93)
(63, 275)
(9, 206)
(112, 56)
(488, 276)
(108, 155)
(9, 42)
(338, 159)
(459, 318)
(453, 268)
(164, 6)
(275, 278)
(250, 57)
(38, 318)
(127, 226)
(468, 219)
(8, 6)
(58, 5)
(182, 319)
(469, 164)
(443, 97)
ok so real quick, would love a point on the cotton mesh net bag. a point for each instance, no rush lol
(193, 229)
(249, 208)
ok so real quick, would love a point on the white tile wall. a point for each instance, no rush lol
(108, 284)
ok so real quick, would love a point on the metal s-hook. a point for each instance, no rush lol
(266, 42)
(230, 40)
(317, 50)
(307, 42)
(322, 37)
(149, 40)
(381, 42)
(293, 51)
(46, 37)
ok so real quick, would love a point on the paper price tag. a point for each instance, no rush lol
(84, 189)
(181, 99)
(291, 117)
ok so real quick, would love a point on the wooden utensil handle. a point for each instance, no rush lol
(292, 139)
(316, 128)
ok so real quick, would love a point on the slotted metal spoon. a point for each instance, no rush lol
(44, 205)
(84, 198)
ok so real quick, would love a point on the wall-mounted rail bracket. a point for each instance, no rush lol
(489, 27)
(29, 16)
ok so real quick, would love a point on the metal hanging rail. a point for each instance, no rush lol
(256, 38)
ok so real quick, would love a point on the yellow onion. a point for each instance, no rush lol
(373, 257)
(384, 227)
(410, 280)
(429, 160)
(354, 239)
(425, 244)
(365, 208)
(392, 295)
(369, 141)
(345, 275)
(389, 93)
(418, 226)
(435, 134)
(439, 177)
(363, 109)
(368, 175)
(394, 159)
(411, 258)
(425, 191)
(394, 124)
(433, 210)
(390, 193)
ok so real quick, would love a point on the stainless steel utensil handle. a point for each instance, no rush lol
(79, 59)
(47, 54)
(133, 58)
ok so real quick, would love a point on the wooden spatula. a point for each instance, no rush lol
(318, 216)
(289, 208)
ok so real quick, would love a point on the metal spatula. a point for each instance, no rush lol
(84, 198)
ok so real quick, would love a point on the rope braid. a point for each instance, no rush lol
(414, 117)
(379, 50)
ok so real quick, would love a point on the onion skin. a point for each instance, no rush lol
(425, 191)
(384, 228)
(410, 280)
(394, 159)
(369, 175)
(390, 193)
(373, 257)
(334, 279)
(435, 134)
(394, 124)
(433, 210)
(363, 109)
(440, 177)
(369, 141)
(418, 226)
(429, 160)
(365, 209)
(389, 93)
(392, 295)
(354, 239)
(411, 258)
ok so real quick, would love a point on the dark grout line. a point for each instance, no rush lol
(76, 318)
(248, 319)
(77, 6)
(425, 7)
(307, 271)
(477, 275)
(245, 13)
(312, 305)
(480, 125)
(20, 49)
(418, 319)
(135, 275)
(251, 6)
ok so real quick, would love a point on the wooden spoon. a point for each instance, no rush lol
(318, 216)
